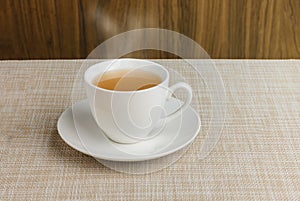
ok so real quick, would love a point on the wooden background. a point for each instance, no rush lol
(252, 29)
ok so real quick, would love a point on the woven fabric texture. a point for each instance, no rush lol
(257, 156)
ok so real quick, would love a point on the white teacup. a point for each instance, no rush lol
(130, 116)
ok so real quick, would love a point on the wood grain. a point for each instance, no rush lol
(252, 29)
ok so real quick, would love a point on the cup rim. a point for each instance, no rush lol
(127, 92)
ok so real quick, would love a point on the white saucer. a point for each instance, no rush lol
(78, 129)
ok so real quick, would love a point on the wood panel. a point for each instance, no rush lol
(32, 29)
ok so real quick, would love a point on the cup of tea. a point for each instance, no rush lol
(127, 98)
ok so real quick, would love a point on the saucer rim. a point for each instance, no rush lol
(132, 158)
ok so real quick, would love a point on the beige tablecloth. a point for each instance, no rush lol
(257, 155)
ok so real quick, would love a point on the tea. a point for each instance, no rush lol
(127, 80)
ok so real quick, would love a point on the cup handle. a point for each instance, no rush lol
(174, 114)
(187, 102)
